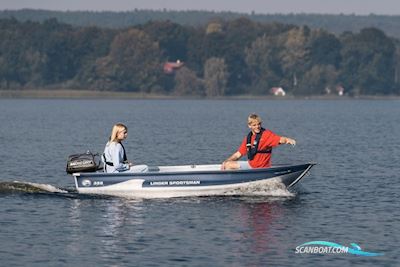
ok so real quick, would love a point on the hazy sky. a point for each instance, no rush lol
(362, 7)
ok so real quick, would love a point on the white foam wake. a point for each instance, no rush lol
(269, 188)
(43, 187)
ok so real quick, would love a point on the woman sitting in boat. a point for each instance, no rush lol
(114, 156)
(257, 145)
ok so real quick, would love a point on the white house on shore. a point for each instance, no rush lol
(338, 89)
(278, 91)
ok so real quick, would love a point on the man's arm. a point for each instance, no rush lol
(235, 156)
(230, 163)
(287, 140)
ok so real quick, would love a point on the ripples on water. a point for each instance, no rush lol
(351, 196)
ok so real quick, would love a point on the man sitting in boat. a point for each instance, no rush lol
(257, 145)
(114, 156)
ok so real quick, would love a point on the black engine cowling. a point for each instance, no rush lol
(85, 162)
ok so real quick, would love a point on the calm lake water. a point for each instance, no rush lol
(351, 196)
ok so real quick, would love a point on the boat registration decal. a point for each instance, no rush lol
(164, 183)
(86, 182)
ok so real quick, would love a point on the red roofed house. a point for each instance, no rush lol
(340, 90)
(170, 67)
(278, 91)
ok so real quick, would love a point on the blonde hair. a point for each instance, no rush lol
(115, 130)
(253, 118)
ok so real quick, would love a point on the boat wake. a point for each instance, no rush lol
(270, 189)
(16, 187)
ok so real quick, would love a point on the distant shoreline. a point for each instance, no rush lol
(77, 94)
(89, 94)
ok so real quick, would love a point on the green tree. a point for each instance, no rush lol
(23, 59)
(368, 62)
(240, 33)
(263, 61)
(215, 77)
(187, 83)
(133, 63)
(397, 68)
(295, 55)
(317, 79)
(324, 48)
(195, 50)
(172, 38)
(89, 45)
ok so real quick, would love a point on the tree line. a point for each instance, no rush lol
(221, 57)
(111, 19)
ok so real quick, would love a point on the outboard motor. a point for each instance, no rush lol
(83, 163)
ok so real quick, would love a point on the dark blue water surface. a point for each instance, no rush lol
(351, 196)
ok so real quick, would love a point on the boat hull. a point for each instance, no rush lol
(194, 180)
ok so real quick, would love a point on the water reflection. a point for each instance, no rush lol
(261, 221)
(104, 221)
(260, 217)
(117, 235)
